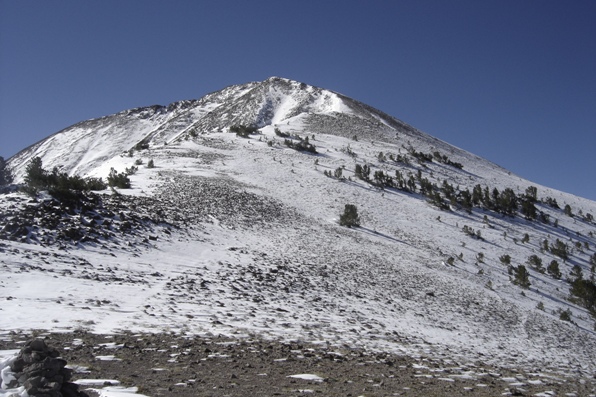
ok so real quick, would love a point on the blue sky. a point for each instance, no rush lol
(511, 81)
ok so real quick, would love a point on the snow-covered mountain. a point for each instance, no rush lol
(240, 234)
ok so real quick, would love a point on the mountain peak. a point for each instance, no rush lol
(453, 250)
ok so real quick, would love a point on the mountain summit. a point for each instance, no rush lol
(288, 211)
(86, 145)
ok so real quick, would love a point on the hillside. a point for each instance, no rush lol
(238, 234)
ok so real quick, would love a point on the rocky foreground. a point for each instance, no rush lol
(175, 365)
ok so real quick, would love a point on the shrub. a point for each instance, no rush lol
(303, 145)
(281, 134)
(150, 164)
(505, 259)
(535, 262)
(142, 146)
(243, 130)
(565, 315)
(118, 180)
(350, 216)
(59, 185)
(338, 172)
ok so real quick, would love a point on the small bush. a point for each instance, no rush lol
(535, 262)
(565, 315)
(118, 180)
(61, 186)
(281, 134)
(303, 145)
(505, 259)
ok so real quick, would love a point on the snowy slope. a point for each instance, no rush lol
(248, 240)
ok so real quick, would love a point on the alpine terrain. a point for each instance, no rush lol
(280, 214)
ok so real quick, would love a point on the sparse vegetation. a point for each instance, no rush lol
(118, 180)
(58, 184)
(243, 131)
(300, 144)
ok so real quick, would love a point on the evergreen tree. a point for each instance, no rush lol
(338, 172)
(553, 269)
(508, 202)
(560, 249)
(358, 171)
(535, 262)
(118, 180)
(528, 209)
(36, 177)
(477, 195)
(505, 259)
(576, 273)
(465, 200)
(521, 276)
(6, 177)
(532, 193)
(350, 216)
(584, 293)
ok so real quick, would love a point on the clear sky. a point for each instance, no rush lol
(511, 81)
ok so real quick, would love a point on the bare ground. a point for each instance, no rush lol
(181, 366)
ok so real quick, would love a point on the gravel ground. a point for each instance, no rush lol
(174, 365)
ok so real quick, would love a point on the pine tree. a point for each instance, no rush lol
(350, 216)
(521, 276)
(535, 262)
(576, 273)
(6, 177)
(553, 269)
(505, 259)
(36, 178)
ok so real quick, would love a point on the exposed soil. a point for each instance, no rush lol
(174, 365)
